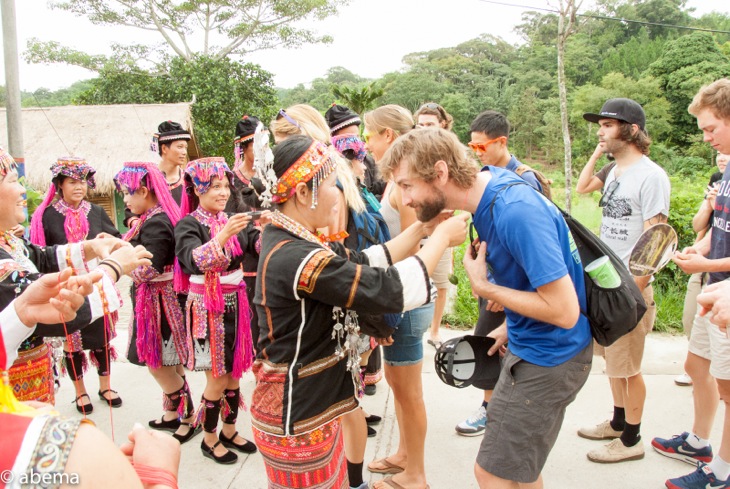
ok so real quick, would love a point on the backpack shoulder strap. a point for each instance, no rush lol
(494, 199)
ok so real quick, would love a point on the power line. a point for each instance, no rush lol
(605, 17)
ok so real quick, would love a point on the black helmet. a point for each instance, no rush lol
(461, 361)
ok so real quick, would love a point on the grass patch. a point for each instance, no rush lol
(669, 298)
(465, 310)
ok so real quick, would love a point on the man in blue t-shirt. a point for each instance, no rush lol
(539, 281)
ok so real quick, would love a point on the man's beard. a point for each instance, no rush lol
(432, 208)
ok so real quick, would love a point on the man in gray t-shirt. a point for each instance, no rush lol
(635, 197)
(641, 192)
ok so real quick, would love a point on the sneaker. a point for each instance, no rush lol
(475, 424)
(683, 380)
(615, 451)
(677, 447)
(601, 431)
(702, 478)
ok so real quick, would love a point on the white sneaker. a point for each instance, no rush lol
(475, 424)
(616, 451)
(601, 431)
(683, 380)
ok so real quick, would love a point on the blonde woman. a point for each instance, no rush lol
(404, 358)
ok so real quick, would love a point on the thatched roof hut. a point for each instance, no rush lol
(106, 135)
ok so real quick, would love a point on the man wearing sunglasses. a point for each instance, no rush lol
(538, 278)
(489, 133)
(635, 197)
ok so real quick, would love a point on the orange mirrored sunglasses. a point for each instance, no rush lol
(482, 147)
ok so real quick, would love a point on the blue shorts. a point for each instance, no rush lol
(407, 347)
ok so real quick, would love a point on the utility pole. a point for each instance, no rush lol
(12, 80)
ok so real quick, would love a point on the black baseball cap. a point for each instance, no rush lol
(621, 109)
(460, 362)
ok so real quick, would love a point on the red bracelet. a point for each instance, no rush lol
(154, 475)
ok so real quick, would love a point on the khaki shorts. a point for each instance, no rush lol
(709, 342)
(441, 274)
(623, 358)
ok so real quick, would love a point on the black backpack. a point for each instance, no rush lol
(612, 313)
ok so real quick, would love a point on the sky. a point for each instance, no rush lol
(370, 37)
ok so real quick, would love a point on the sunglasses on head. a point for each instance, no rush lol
(608, 194)
(482, 147)
(282, 114)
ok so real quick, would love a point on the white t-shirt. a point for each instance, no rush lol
(642, 193)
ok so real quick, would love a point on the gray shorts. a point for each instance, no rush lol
(526, 412)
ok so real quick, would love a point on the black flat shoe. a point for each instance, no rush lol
(116, 402)
(84, 408)
(371, 432)
(248, 447)
(373, 419)
(192, 431)
(226, 459)
(166, 425)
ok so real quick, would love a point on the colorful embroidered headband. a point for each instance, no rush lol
(350, 142)
(74, 167)
(202, 171)
(7, 163)
(315, 164)
(136, 174)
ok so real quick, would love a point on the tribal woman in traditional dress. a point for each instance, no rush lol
(305, 119)
(211, 246)
(64, 217)
(158, 337)
(171, 143)
(245, 198)
(307, 293)
(32, 374)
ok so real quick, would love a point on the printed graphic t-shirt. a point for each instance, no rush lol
(720, 244)
(642, 193)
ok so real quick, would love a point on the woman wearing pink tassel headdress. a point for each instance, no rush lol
(210, 245)
(64, 217)
(158, 338)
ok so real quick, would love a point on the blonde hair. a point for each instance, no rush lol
(715, 97)
(394, 117)
(350, 189)
(421, 149)
(311, 123)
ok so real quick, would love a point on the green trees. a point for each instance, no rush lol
(212, 28)
(223, 90)
(685, 65)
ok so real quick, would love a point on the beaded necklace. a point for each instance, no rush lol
(216, 222)
(285, 222)
(76, 222)
(17, 250)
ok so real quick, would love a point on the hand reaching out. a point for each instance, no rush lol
(54, 297)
